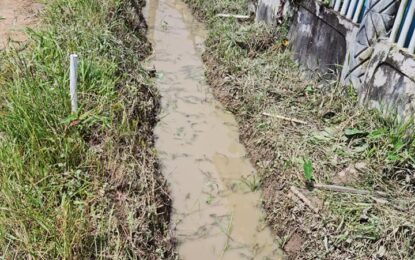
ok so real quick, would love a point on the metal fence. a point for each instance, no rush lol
(351, 9)
(403, 29)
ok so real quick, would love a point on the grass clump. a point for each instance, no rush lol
(342, 144)
(85, 185)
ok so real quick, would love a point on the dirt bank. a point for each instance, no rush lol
(15, 17)
(301, 133)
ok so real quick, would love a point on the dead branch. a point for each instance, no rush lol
(302, 197)
(343, 189)
(237, 16)
(285, 118)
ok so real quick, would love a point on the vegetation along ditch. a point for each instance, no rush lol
(88, 185)
(337, 179)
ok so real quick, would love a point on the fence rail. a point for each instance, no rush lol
(403, 29)
(351, 9)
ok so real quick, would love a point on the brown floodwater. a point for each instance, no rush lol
(215, 213)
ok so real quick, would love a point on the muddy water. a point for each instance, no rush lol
(215, 214)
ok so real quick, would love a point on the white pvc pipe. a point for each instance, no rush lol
(344, 7)
(407, 24)
(72, 82)
(358, 11)
(398, 21)
(351, 9)
(337, 5)
(332, 3)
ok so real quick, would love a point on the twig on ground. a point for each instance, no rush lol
(285, 118)
(380, 200)
(237, 16)
(343, 189)
(302, 197)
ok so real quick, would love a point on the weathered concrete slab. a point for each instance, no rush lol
(267, 11)
(319, 36)
(323, 40)
(389, 83)
(273, 11)
(376, 24)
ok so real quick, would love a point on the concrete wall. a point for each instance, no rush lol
(389, 83)
(272, 11)
(324, 40)
(319, 37)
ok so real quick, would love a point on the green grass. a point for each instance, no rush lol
(85, 185)
(252, 72)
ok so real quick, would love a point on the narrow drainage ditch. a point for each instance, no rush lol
(216, 215)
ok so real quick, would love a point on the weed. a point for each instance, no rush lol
(308, 170)
(252, 182)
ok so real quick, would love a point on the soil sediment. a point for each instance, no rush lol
(15, 17)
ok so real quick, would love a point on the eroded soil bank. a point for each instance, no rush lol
(216, 214)
(15, 17)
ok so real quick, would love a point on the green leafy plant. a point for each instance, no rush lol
(308, 172)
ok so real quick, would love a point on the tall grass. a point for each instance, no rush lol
(80, 186)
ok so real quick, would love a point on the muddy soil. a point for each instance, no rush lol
(15, 17)
(216, 213)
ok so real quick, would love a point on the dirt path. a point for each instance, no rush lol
(215, 213)
(15, 16)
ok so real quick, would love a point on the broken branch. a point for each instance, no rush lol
(237, 16)
(343, 189)
(285, 118)
(302, 197)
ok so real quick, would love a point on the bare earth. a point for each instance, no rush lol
(15, 16)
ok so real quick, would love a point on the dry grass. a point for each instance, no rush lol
(346, 144)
